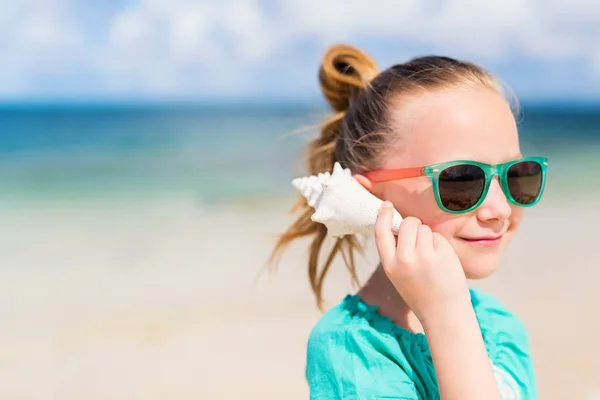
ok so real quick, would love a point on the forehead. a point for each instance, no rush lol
(473, 124)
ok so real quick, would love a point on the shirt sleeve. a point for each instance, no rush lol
(342, 365)
(508, 344)
(513, 364)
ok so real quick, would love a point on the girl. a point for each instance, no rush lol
(436, 139)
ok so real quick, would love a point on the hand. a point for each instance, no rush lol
(421, 265)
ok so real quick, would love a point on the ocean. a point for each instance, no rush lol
(219, 153)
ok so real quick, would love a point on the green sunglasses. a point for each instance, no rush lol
(461, 186)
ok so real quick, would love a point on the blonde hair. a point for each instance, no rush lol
(359, 130)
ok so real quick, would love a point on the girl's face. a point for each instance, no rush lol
(461, 124)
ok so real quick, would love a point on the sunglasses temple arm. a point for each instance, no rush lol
(384, 175)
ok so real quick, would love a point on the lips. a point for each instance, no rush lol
(484, 241)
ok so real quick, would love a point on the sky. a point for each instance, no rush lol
(546, 50)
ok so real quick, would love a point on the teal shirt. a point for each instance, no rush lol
(354, 353)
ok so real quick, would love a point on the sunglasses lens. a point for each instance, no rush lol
(524, 181)
(461, 186)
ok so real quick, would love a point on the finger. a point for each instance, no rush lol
(407, 237)
(439, 241)
(384, 237)
(425, 239)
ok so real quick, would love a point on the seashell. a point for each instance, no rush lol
(342, 204)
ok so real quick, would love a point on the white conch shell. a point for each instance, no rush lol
(342, 204)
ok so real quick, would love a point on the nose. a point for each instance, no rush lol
(495, 206)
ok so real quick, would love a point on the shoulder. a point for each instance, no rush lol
(354, 323)
(336, 329)
(345, 359)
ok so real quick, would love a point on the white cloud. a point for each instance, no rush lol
(160, 44)
(340, 18)
(40, 37)
(491, 28)
(189, 46)
(240, 32)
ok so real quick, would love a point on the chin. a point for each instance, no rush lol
(478, 261)
(480, 267)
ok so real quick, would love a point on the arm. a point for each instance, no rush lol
(460, 359)
(428, 275)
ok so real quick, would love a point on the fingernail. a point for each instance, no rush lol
(387, 204)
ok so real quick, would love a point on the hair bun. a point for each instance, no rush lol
(345, 72)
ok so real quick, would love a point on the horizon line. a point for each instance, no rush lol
(236, 103)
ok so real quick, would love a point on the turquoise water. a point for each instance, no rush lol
(219, 153)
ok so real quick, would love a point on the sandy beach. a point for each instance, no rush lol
(160, 300)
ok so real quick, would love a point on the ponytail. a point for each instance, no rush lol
(344, 74)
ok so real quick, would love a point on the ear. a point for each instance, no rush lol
(365, 182)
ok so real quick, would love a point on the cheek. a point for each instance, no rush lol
(414, 198)
(516, 216)
(448, 226)
(411, 197)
